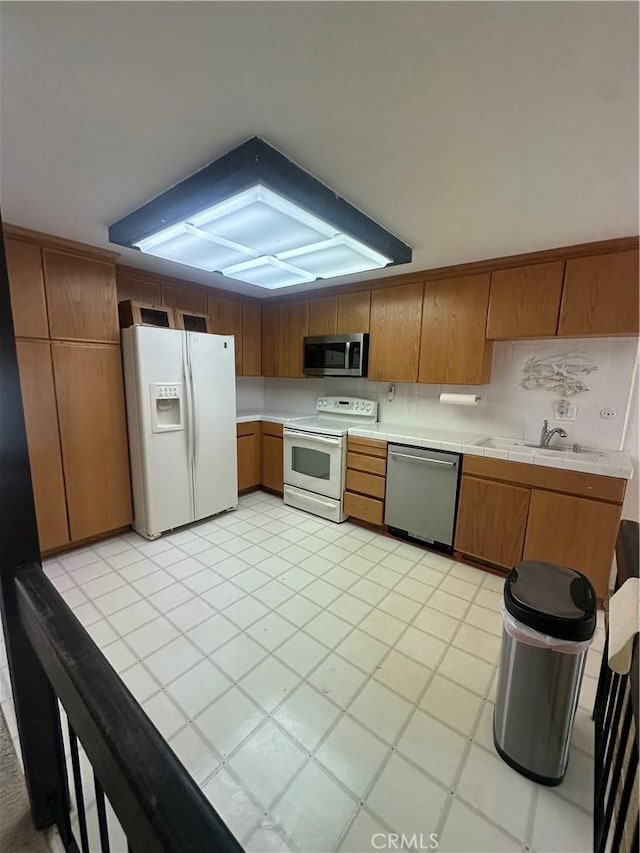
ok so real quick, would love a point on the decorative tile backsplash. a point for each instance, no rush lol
(562, 374)
(506, 409)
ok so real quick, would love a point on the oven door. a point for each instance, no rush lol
(314, 462)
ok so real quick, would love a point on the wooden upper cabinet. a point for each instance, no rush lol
(137, 290)
(93, 436)
(81, 297)
(186, 298)
(270, 340)
(43, 439)
(293, 325)
(453, 348)
(394, 345)
(600, 295)
(226, 319)
(251, 339)
(492, 519)
(575, 532)
(353, 312)
(323, 315)
(26, 283)
(525, 302)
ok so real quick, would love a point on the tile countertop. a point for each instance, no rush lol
(247, 416)
(611, 463)
(608, 462)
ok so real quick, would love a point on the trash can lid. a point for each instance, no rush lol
(551, 599)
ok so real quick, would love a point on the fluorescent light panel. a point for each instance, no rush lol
(261, 237)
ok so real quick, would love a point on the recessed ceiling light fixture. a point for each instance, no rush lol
(254, 215)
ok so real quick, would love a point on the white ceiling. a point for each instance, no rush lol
(470, 130)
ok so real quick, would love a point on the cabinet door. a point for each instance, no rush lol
(323, 315)
(88, 382)
(575, 532)
(137, 290)
(251, 339)
(453, 348)
(26, 283)
(293, 324)
(81, 297)
(353, 312)
(186, 298)
(43, 438)
(394, 345)
(525, 302)
(492, 518)
(248, 476)
(600, 295)
(272, 463)
(270, 340)
(226, 319)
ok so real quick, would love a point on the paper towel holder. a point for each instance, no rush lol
(457, 399)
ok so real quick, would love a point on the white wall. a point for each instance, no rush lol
(249, 394)
(631, 443)
(506, 409)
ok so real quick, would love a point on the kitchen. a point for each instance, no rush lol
(462, 360)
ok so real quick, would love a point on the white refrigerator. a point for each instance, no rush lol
(181, 413)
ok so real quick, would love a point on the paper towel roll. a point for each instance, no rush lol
(460, 399)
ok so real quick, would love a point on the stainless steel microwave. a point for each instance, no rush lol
(336, 355)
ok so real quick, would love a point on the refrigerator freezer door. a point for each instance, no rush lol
(158, 416)
(211, 360)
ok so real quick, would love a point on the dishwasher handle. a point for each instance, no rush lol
(424, 459)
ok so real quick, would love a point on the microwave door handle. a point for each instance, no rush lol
(347, 355)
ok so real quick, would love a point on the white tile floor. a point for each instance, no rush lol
(323, 683)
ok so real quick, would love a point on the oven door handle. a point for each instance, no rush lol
(319, 439)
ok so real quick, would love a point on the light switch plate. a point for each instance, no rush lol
(563, 410)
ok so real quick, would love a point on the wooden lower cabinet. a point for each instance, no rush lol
(574, 532)
(366, 479)
(249, 456)
(91, 415)
(492, 520)
(272, 475)
(509, 511)
(43, 438)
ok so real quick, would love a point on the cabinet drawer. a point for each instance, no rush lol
(366, 509)
(369, 464)
(269, 428)
(369, 446)
(366, 484)
(250, 428)
(555, 479)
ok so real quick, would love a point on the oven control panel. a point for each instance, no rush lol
(351, 406)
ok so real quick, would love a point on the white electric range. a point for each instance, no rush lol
(315, 454)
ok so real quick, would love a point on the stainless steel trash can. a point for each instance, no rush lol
(549, 621)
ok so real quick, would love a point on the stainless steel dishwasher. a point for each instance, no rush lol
(422, 493)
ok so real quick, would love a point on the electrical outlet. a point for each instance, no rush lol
(607, 414)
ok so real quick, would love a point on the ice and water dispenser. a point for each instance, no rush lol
(166, 407)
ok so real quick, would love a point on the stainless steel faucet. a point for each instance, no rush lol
(547, 434)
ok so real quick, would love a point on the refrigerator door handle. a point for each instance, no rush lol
(194, 404)
(188, 383)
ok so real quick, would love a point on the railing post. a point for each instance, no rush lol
(34, 700)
